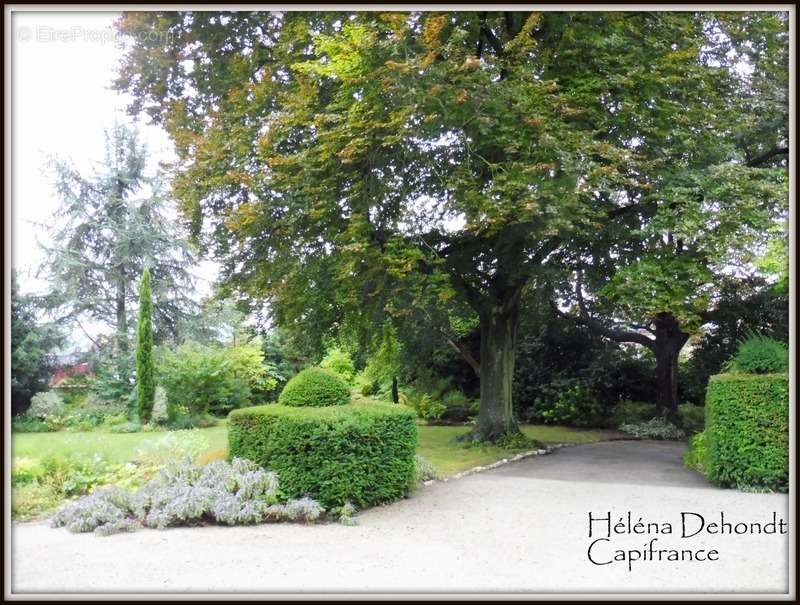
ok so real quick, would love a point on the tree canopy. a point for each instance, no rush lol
(346, 165)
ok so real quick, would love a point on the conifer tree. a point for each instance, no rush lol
(145, 379)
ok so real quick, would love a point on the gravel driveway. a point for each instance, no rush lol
(523, 527)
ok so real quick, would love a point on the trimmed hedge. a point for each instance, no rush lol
(362, 453)
(747, 431)
(315, 387)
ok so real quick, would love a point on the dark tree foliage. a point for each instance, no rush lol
(32, 346)
(743, 308)
(554, 354)
(709, 193)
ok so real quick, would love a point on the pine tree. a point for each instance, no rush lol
(145, 379)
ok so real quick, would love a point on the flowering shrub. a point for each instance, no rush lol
(105, 511)
(303, 509)
(233, 493)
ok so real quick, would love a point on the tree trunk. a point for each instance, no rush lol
(667, 346)
(121, 318)
(498, 348)
(395, 392)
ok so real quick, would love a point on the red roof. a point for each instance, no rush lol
(80, 369)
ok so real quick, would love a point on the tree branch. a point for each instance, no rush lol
(492, 39)
(465, 353)
(615, 334)
(80, 325)
(767, 156)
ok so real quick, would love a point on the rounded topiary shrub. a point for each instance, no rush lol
(315, 387)
(361, 453)
(747, 431)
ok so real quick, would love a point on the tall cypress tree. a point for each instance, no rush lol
(145, 379)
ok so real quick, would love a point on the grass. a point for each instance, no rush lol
(436, 444)
(114, 447)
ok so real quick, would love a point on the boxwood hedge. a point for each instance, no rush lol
(363, 453)
(315, 387)
(747, 431)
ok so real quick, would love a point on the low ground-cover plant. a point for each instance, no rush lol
(231, 493)
(59, 476)
(23, 424)
(458, 407)
(172, 446)
(32, 500)
(425, 471)
(39, 485)
(315, 387)
(696, 457)
(25, 471)
(426, 407)
(656, 428)
(358, 453)
(747, 431)
(632, 412)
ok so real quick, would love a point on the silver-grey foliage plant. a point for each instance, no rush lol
(232, 493)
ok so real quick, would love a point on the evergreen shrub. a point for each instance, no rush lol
(315, 387)
(361, 453)
(747, 431)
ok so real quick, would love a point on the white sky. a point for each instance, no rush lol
(63, 64)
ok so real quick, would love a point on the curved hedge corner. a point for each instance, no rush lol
(315, 387)
(747, 431)
(356, 452)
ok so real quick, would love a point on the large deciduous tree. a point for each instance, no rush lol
(713, 194)
(339, 163)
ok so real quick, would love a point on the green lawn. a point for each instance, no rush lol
(435, 444)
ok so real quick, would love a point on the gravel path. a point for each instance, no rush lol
(522, 527)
